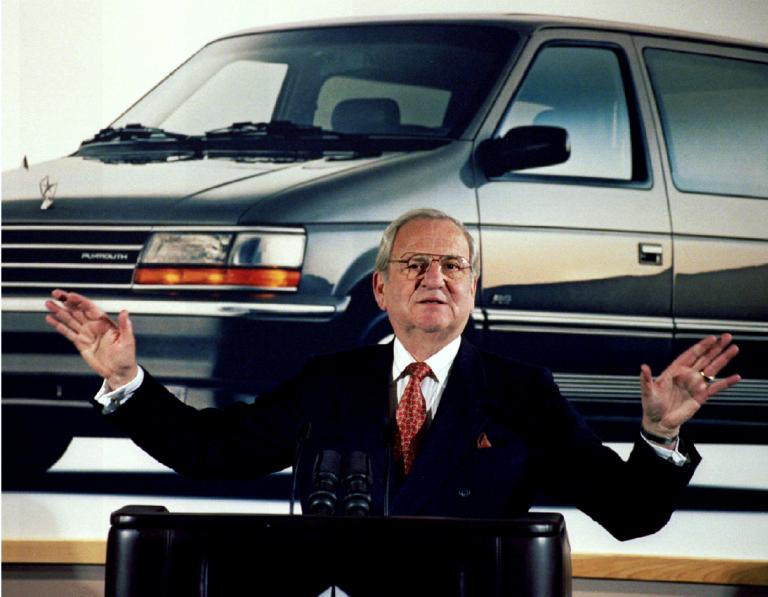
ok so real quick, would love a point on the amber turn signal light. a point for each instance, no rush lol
(218, 276)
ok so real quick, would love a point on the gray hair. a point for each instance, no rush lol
(424, 213)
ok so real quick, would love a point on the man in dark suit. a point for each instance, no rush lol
(450, 430)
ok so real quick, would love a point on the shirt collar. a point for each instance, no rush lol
(440, 362)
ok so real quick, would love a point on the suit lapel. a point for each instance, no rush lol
(454, 430)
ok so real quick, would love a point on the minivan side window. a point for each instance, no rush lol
(713, 111)
(580, 89)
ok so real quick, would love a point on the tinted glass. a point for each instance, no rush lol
(243, 90)
(714, 112)
(397, 80)
(581, 90)
(418, 105)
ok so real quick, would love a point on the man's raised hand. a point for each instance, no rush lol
(107, 347)
(675, 395)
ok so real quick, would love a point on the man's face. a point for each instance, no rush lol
(429, 304)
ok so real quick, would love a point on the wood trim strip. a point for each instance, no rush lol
(54, 552)
(601, 566)
(668, 569)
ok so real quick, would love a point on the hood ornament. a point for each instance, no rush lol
(48, 192)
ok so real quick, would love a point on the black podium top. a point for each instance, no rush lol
(154, 552)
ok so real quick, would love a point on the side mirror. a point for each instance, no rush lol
(524, 147)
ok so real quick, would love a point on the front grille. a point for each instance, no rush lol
(81, 256)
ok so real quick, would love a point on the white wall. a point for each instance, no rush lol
(69, 67)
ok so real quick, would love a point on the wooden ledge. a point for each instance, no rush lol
(668, 569)
(54, 552)
(601, 566)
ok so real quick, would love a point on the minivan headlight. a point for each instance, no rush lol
(252, 260)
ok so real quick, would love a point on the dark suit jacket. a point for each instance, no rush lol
(342, 401)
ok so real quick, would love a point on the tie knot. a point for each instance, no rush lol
(419, 371)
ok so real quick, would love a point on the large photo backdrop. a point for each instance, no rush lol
(71, 67)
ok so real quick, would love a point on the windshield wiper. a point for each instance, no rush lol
(274, 128)
(136, 143)
(134, 132)
(276, 140)
(284, 139)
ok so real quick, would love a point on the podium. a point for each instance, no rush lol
(152, 552)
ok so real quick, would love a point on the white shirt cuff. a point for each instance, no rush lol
(669, 454)
(112, 400)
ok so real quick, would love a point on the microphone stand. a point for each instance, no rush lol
(295, 473)
(389, 442)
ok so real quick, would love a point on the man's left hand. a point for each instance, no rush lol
(675, 395)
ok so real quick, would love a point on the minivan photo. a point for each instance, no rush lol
(615, 178)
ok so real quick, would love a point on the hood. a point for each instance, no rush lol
(207, 191)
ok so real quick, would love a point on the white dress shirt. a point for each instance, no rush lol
(431, 388)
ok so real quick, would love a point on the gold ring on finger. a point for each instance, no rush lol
(708, 378)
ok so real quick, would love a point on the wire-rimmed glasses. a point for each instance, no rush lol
(415, 266)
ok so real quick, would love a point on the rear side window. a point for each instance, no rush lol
(581, 89)
(714, 112)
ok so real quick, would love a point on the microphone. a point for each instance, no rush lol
(295, 472)
(322, 500)
(357, 484)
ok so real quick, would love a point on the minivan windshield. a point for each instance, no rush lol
(413, 80)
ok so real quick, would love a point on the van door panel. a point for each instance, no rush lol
(567, 279)
(712, 111)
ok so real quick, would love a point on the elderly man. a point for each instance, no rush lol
(450, 430)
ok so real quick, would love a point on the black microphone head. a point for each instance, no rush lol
(358, 464)
(328, 463)
(323, 499)
(357, 484)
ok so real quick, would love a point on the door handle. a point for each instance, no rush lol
(650, 254)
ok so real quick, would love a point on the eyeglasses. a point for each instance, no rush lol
(451, 266)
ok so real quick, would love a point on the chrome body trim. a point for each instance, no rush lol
(164, 228)
(500, 319)
(67, 266)
(208, 228)
(65, 285)
(704, 325)
(502, 316)
(47, 403)
(180, 307)
(76, 227)
(581, 331)
(72, 247)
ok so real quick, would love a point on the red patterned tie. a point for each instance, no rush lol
(411, 415)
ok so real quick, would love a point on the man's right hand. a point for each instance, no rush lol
(109, 348)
